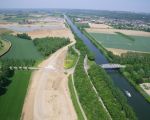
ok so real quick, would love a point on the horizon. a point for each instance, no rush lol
(125, 11)
(136, 6)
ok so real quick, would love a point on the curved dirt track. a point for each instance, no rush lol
(48, 97)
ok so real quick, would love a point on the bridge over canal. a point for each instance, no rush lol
(112, 66)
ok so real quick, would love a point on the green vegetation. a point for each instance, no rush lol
(86, 93)
(130, 27)
(112, 97)
(125, 36)
(71, 58)
(82, 25)
(74, 99)
(137, 43)
(97, 44)
(137, 69)
(4, 46)
(49, 45)
(18, 63)
(21, 49)
(12, 101)
(137, 66)
(24, 36)
(1, 44)
(5, 75)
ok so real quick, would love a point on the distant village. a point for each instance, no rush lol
(116, 23)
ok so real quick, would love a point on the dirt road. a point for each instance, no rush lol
(48, 97)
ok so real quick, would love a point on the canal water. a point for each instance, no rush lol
(137, 101)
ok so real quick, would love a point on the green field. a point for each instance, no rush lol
(21, 49)
(12, 101)
(82, 25)
(134, 43)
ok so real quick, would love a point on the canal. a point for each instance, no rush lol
(137, 101)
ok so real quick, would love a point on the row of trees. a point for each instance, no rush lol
(49, 45)
(5, 75)
(87, 96)
(130, 27)
(24, 36)
(1, 44)
(17, 62)
(112, 97)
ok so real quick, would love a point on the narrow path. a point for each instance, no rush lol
(72, 75)
(99, 98)
(77, 98)
(29, 68)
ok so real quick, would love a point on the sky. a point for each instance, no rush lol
(115, 5)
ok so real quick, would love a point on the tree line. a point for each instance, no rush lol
(112, 97)
(87, 96)
(137, 66)
(5, 75)
(24, 36)
(49, 45)
(18, 62)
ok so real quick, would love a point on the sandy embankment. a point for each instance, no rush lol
(146, 87)
(48, 96)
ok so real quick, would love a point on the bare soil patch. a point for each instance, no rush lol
(100, 26)
(116, 51)
(146, 87)
(105, 31)
(52, 33)
(48, 96)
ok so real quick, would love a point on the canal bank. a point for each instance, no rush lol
(137, 101)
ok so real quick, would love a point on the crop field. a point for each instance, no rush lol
(21, 49)
(82, 25)
(120, 41)
(12, 101)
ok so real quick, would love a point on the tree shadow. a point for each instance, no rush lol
(2, 91)
(6, 83)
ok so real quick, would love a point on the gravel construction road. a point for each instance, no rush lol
(48, 96)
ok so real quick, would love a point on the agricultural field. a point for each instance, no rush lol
(122, 41)
(82, 25)
(21, 49)
(12, 101)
